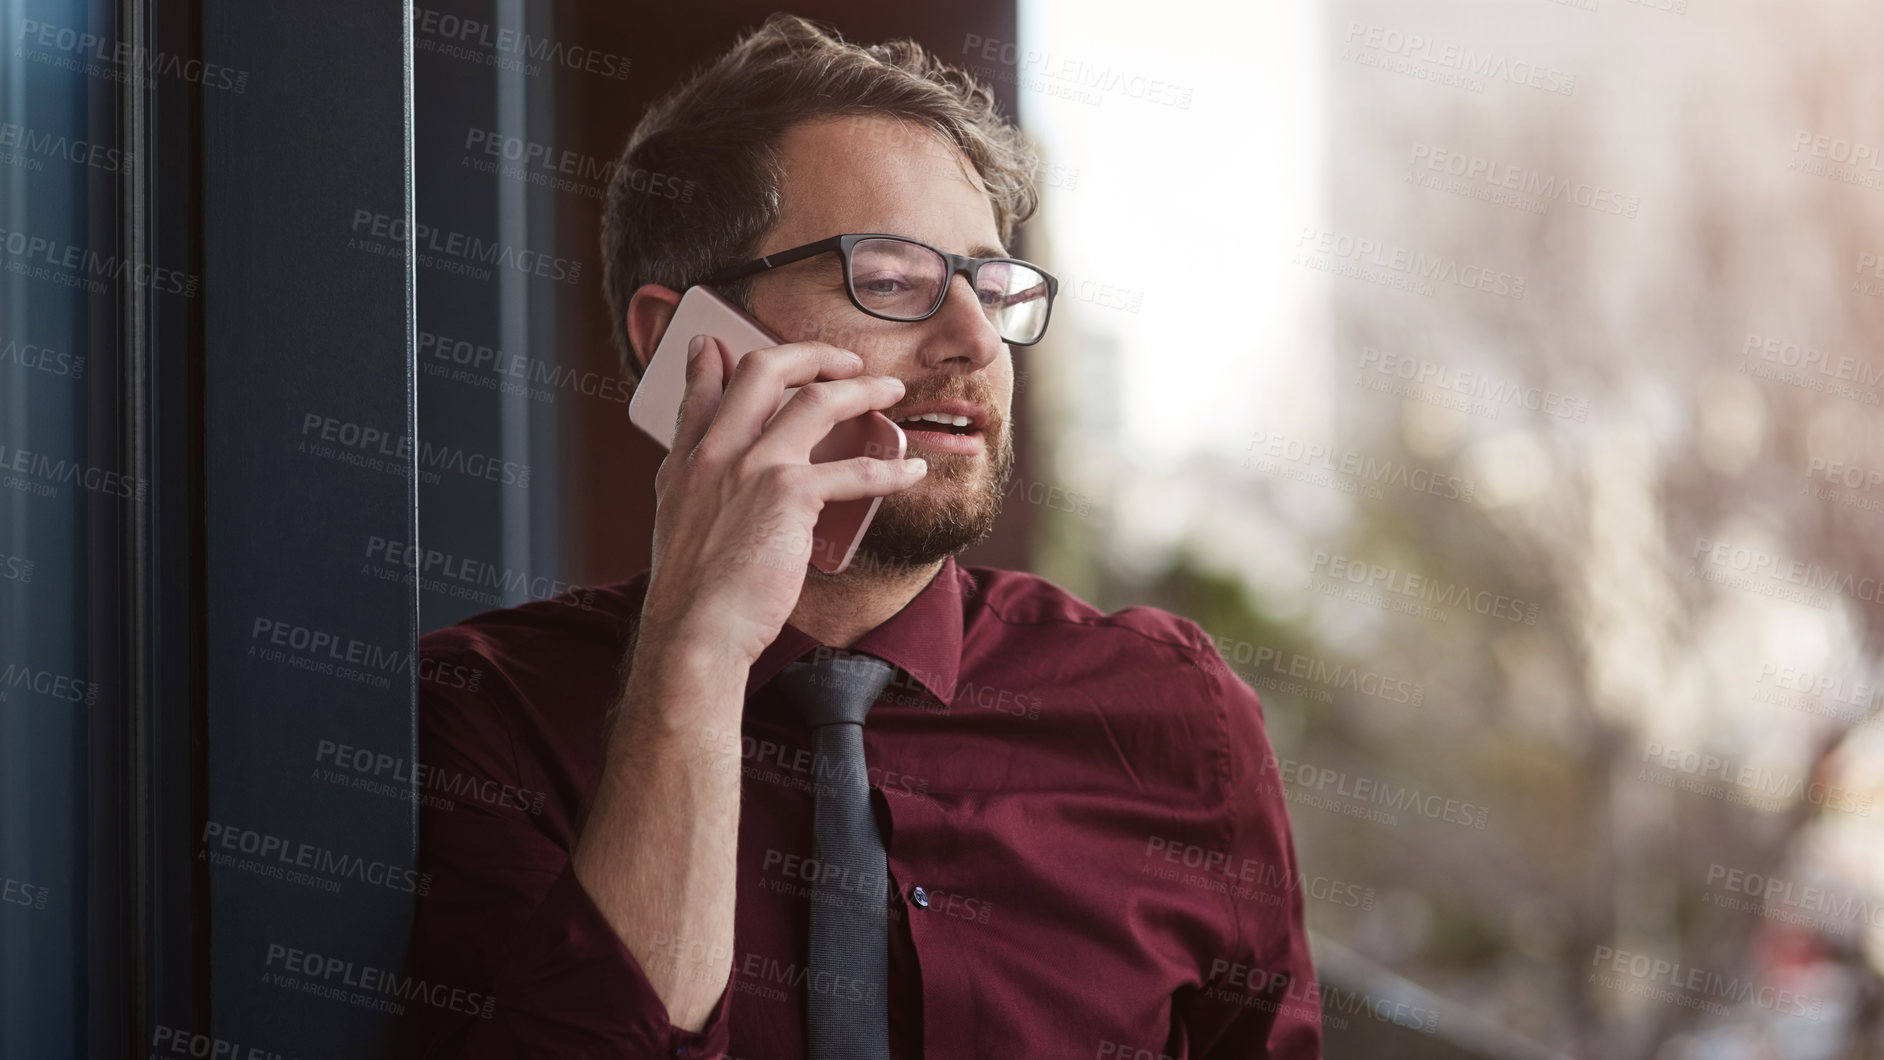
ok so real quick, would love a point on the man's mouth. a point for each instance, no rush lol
(945, 426)
(940, 422)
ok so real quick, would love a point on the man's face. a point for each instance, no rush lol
(875, 174)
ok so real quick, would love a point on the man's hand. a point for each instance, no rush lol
(738, 497)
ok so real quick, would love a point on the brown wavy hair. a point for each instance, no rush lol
(696, 188)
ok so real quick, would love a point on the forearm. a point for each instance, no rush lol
(659, 851)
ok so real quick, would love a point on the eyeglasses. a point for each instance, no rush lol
(894, 278)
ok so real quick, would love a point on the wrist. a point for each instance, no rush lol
(667, 654)
(682, 685)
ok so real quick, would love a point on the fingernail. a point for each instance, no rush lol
(695, 345)
(919, 465)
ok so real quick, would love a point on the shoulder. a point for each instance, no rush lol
(1144, 665)
(1156, 678)
(523, 692)
(585, 615)
(1137, 640)
(515, 652)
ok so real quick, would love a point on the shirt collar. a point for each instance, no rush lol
(924, 639)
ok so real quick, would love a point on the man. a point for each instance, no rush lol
(1056, 833)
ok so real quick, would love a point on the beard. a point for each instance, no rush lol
(955, 504)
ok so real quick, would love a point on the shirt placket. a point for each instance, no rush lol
(917, 852)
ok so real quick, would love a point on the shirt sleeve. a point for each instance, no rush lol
(1261, 999)
(505, 924)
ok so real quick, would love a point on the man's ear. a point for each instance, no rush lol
(650, 310)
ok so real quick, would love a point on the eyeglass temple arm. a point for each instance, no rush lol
(783, 257)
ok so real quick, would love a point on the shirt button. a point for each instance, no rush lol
(920, 897)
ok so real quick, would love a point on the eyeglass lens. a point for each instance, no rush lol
(905, 281)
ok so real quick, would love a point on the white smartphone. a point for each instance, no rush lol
(656, 406)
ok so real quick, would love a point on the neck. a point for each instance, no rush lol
(838, 609)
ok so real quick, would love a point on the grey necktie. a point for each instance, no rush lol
(848, 986)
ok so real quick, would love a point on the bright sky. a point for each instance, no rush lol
(1224, 339)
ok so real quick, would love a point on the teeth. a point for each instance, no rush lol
(938, 417)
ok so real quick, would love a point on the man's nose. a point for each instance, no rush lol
(961, 331)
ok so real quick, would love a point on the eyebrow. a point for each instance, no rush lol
(986, 251)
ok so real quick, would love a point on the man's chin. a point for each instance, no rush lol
(939, 516)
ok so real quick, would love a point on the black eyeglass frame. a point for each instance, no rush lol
(958, 265)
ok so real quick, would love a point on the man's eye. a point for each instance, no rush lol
(882, 285)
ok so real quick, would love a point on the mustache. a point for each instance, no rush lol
(954, 388)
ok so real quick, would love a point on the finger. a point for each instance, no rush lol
(760, 380)
(861, 476)
(816, 408)
(701, 398)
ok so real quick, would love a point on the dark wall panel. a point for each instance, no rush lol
(309, 446)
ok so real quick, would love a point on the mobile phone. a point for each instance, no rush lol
(656, 406)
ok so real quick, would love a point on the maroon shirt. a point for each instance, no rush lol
(1087, 840)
